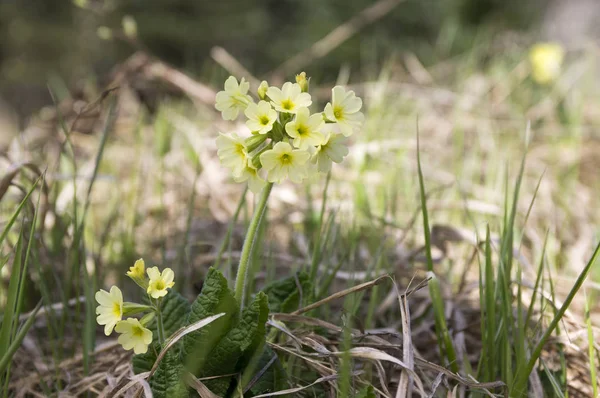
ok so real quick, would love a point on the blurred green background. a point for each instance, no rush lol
(48, 40)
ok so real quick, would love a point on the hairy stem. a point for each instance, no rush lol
(243, 269)
(159, 322)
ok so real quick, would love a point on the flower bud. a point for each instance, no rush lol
(256, 158)
(303, 81)
(138, 274)
(251, 143)
(134, 308)
(146, 319)
(262, 89)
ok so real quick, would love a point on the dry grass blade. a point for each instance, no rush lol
(175, 337)
(378, 355)
(197, 385)
(13, 171)
(436, 383)
(137, 379)
(405, 384)
(305, 320)
(485, 387)
(298, 389)
(340, 294)
(233, 66)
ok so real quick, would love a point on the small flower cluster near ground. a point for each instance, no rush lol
(133, 332)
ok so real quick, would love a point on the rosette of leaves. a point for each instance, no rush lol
(230, 349)
(220, 351)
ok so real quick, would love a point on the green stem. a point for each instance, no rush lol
(243, 269)
(159, 322)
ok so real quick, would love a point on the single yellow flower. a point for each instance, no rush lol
(344, 110)
(546, 60)
(284, 161)
(250, 174)
(260, 117)
(232, 152)
(234, 99)
(110, 310)
(138, 273)
(289, 98)
(304, 129)
(160, 282)
(332, 149)
(134, 335)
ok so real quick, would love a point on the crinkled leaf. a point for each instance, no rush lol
(271, 378)
(144, 362)
(175, 310)
(215, 298)
(284, 295)
(167, 381)
(230, 354)
(367, 392)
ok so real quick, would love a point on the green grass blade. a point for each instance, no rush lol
(9, 318)
(316, 254)
(434, 289)
(591, 351)
(538, 278)
(16, 343)
(520, 385)
(15, 215)
(490, 310)
(230, 227)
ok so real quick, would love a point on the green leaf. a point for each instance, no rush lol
(284, 295)
(167, 381)
(236, 348)
(175, 310)
(215, 298)
(144, 362)
(367, 392)
(270, 372)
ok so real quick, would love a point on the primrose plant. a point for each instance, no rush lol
(217, 340)
(286, 141)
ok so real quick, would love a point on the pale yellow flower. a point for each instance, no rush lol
(234, 99)
(333, 149)
(110, 310)
(546, 60)
(250, 174)
(134, 335)
(232, 152)
(289, 98)
(160, 282)
(284, 161)
(344, 110)
(260, 117)
(304, 129)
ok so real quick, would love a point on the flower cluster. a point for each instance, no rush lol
(111, 309)
(286, 141)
